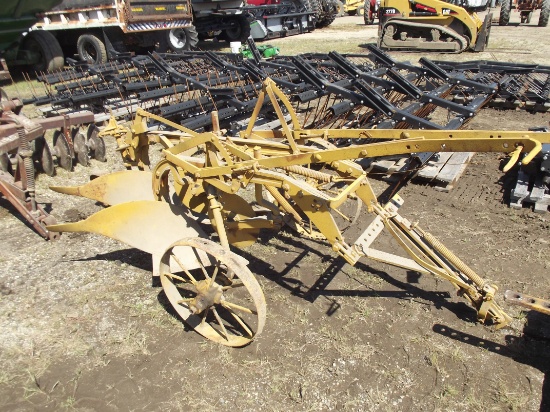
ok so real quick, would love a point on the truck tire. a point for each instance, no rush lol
(179, 40)
(91, 49)
(327, 10)
(240, 32)
(505, 7)
(544, 13)
(46, 45)
(361, 11)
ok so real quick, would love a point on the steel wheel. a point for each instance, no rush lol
(216, 294)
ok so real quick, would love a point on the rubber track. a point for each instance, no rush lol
(463, 41)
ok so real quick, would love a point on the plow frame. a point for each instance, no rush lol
(290, 171)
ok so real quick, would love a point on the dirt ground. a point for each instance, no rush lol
(84, 327)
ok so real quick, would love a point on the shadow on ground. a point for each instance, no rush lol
(532, 348)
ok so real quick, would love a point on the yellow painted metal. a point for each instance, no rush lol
(293, 173)
(529, 302)
(222, 301)
(446, 14)
(146, 225)
(114, 188)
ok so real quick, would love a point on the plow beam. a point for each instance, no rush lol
(146, 225)
(529, 302)
(114, 188)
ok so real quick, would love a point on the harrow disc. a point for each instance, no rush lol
(219, 297)
(96, 144)
(81, 149)
(42, 156)
(62, 151)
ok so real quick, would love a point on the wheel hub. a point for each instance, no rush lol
(207, 295)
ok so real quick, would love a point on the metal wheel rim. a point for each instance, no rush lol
(89, 53)
(177, 38)
(242, 292)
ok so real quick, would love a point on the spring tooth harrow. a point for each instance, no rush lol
(297, 178)
(332, 90)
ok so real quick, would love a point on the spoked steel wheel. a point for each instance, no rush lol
(213, 291)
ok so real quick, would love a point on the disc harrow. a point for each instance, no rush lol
(25, 150)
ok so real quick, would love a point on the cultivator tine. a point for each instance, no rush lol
(114, 188)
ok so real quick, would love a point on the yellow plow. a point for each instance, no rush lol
(265, 179)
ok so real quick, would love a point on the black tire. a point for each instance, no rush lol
(544, 13)
(179, 40)
(505, 7)
(240, 31)
(327, 12)
(366, 12)
(315, 8)
(91, 49)
(361, 11)
(46, 45)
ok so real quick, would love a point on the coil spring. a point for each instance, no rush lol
(314, 174)
(451, 257)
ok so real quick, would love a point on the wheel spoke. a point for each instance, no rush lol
(233, 286)
(241, 322)
(219, 319)
(204, 271)
(172, 276)
(193, 280)
(216, 270)
(226, 304)
(204, 315)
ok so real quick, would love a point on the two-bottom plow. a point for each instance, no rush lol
(233, 187)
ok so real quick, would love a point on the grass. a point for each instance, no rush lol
(308, 44)
(512, 400)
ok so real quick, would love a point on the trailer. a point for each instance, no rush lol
(99, 30)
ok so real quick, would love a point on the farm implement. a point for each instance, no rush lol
(328, 91)
(212, 194)
(24, 150)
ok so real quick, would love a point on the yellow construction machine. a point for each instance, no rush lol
(211, 194)
(432, 25)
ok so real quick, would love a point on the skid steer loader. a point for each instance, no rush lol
(432, 25)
